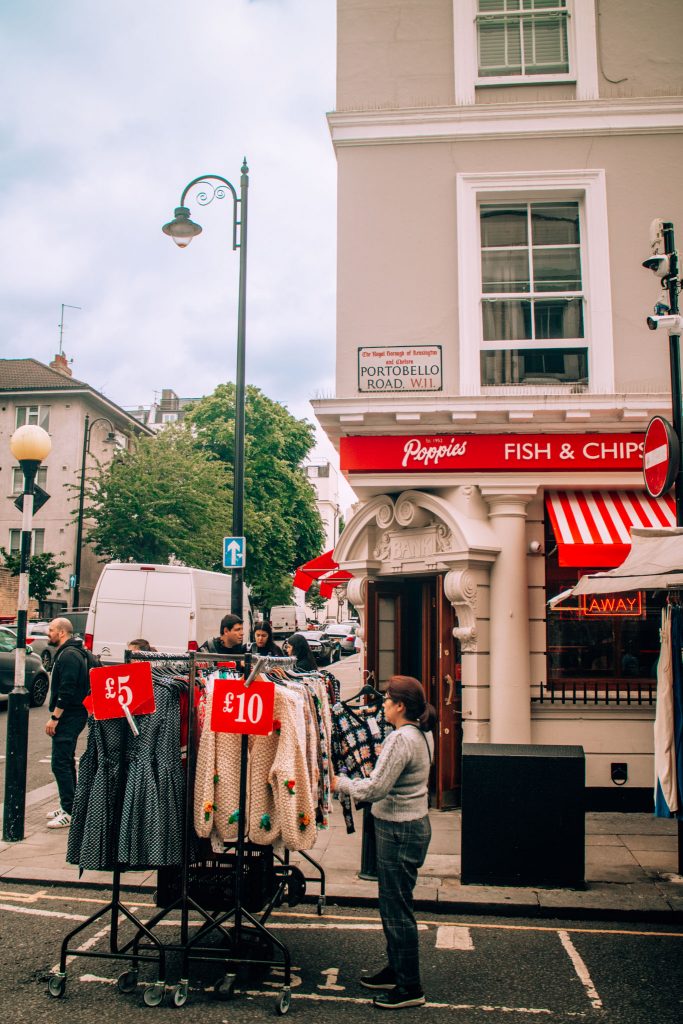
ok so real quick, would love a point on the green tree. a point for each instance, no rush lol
(163, 498)
(282, 523)
(43, 572)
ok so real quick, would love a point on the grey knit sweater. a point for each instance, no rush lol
(397, 787)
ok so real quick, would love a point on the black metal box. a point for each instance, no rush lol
(523, 814)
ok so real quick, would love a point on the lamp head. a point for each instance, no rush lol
(181, 229)
(30, 443)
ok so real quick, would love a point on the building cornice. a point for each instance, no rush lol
(651, 115)
(489, 413)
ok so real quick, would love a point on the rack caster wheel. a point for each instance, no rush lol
(180, 993)
(56, 985)
(154, 994)
(284, 1002)
(322, 903)
(127, 982)
(224, 987)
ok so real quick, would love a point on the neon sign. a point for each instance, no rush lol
(624, 605)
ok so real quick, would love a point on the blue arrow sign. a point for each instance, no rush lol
(234, 552)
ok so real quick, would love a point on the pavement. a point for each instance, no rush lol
(631, 861)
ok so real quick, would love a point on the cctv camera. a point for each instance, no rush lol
(658, 264)
(672, 323)
(535, 547)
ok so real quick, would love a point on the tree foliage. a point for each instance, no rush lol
(282, 523)
(314, 598)
(162, 499)
(43, 572)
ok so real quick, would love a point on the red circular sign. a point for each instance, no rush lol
(660, 457)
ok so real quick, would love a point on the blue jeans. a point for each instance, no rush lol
(69, 728)
(401, 851)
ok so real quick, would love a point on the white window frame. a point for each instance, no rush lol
(42, 412)
(18, 479)
(581, 45)
(589, 188)
(17, 547)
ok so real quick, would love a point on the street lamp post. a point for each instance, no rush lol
(76, 593)
(29, 445)
(182, 230)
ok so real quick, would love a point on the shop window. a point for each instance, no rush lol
(534, 306)
(18, 479)
(607, 645)
(33, 415)
(37, 542)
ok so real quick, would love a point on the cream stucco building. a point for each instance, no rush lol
(499, 166)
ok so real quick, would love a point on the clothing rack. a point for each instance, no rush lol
(145, 946)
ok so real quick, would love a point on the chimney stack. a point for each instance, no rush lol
(61, 364)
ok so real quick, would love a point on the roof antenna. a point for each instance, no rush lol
(65, 305)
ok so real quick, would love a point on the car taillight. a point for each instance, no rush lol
(193, 646)
(87, 643)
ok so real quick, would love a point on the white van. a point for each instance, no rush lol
(174, 607)
(286, 619)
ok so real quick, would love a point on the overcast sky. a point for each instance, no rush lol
(108, 110)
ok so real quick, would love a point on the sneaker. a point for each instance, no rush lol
(54, 813)
(63, 820)
(400, 996)
(384, 979)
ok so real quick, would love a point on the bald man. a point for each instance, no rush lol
(69, 687)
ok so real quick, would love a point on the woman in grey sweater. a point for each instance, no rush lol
(398, 792)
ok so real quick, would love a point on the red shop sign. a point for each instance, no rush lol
(117, 685)
(243, 709)
(453, 453)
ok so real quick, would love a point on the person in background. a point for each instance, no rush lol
(231, 639)
(69, 686)
(397, 788)
(296, 646)
(263, 641)
(141, 645)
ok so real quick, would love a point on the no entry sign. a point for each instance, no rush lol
(660, 457)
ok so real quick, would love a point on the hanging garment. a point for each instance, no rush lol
(357, 738)
(101, 802)
(669, 718)
(279, 803)
(152, 812)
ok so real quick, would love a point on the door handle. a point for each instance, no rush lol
(451, 686)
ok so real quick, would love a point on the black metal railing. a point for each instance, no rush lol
(597, 692)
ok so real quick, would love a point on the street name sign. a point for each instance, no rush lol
(234, 552)
(660, 457)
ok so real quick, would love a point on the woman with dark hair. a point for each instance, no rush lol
(263, 641)
(398, 788)
(296, 646)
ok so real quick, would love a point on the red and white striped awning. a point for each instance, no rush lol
(593, 528)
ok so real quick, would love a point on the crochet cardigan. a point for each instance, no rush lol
(398, 784)
(279, 799)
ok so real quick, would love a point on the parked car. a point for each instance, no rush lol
(36, 636)
(324, 649)
(36, 678)
(344, 633)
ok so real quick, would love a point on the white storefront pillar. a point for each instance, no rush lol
(510, 693)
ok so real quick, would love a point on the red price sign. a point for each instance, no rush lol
(118, 686)
(243, 709)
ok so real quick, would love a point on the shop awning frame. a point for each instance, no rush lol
(325, 570)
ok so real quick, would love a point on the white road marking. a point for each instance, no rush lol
(331, 976)
(581, 970)
(35, 912)
(453, 937)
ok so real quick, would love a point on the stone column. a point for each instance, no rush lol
(509, 607)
